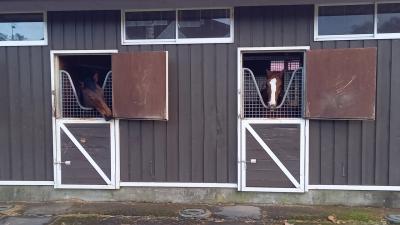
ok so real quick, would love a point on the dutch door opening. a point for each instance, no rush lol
(85, 86)
(273, 85)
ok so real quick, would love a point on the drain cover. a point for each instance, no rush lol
(194, 214)
(393, 219)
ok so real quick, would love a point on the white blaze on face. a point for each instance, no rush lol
(272, 84)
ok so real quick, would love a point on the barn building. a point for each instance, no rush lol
(195, 114)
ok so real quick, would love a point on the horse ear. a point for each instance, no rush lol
(96, 77)
(268, 73)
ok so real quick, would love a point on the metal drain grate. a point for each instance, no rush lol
(194, 214)
(393, 219)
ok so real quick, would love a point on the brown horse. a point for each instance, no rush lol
(272, 93)
(93, 96)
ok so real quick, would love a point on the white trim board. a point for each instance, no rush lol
(354, 188)
(178, 184)
(26, 183)
(269, 49)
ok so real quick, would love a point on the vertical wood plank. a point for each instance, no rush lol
(327, 152)
(147, 150)
(88, 28)
(232, 114)
(185, 158)
(135, 150)
(124, 151)
(37, 81)
(315, 164)
(354, 164)
(340, 155)
(304, 14)
(111, 23)
(277, 18)
(257, 22)
(289, 34)
(172, 125)
(394, 141)
(15, 114)
(221, 88)
(80, 29)
(5, 148)
(210, 114)
(47, 115)
(244, 24)
(69, 30)
(197, 112)
(383, 113)
(268, 26)
(98, 28)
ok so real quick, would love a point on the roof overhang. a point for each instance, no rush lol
(75, 5)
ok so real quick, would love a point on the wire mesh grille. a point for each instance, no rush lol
(293, 103)
(71, 106)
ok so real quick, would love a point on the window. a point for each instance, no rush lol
(362, 21)
(209, 23)
(389, 18)
(150, 25)
(181, 26)
(23, 29)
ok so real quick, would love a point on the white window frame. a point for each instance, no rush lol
(374, 35)
(29, 43)
(176, 40)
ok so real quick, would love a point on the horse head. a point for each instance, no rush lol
(93, 96)
(273, 89)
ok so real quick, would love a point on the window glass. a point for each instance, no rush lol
(346, 19)
(208, 23)
(150, 25)
(22, 27)
(389, 18)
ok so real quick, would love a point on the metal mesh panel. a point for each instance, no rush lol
(293, 103)
(71, 106)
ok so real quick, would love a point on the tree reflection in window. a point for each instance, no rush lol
(22, 27)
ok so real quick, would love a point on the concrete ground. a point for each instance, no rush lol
(128, 213)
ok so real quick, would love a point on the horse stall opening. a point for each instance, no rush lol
(75, 73)
(84, 141)
(272, 131)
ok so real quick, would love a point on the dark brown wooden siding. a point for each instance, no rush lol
(199, 142)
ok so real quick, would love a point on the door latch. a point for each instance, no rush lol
(252, 161)
(67, 163)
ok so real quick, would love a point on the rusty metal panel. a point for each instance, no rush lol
(140, 85)
(341, 83)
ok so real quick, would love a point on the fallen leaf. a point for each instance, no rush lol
(332, 218)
